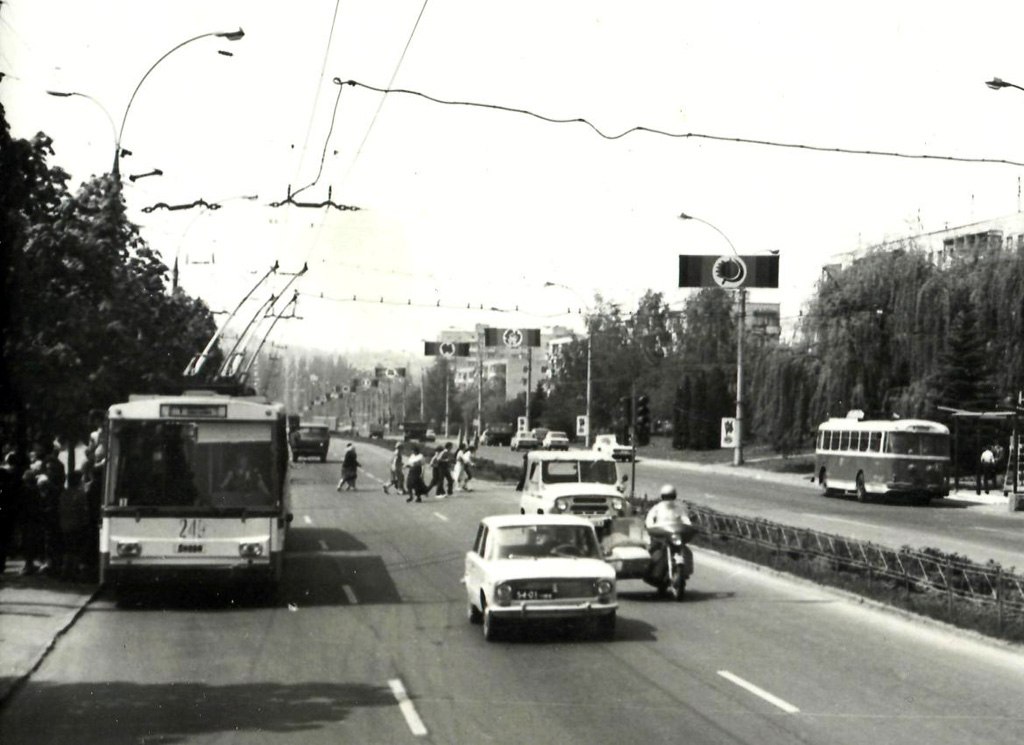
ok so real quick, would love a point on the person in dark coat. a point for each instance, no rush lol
(349, 469)
(10, 504)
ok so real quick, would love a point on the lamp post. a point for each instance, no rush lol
(590, 345)
(737, 456)
(110, 119)
(229, 35)
(997, 83)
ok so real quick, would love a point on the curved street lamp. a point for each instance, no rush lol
(229, 35)
(997, 83)
(737, 459)
(70, 94)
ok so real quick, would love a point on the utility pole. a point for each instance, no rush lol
(590, 346)
(529, 383)
(480, 384)
(423, 397)
(737, 459)
(632, 437)
(446, 416)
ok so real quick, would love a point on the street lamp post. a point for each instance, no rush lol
(590, 346)
(229, 35)
(737, 456)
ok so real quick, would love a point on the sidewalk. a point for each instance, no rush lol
(34, 612)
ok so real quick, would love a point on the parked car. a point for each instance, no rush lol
(310, 440)
(574, 482)
(538, 567)
(376, 430)
(498, 434)
(524, 441)
(608, 445)
(555, 441)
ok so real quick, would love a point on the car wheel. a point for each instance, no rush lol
(492, 626)
(604, 626)
(473, 614)
(862, 492)
(823, 483)
(323, 458)
(522, 511)
(295, 458)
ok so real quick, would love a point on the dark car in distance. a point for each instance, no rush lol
(310, 441)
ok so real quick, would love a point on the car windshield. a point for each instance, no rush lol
(557, 435)
(312, 433)
(579, 471)
(540, 541)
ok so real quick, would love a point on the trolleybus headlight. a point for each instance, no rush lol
(250, 549)
(561, 505)
(618, 505)
(128, 548)
(502, 594)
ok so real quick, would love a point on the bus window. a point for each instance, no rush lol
(844, 441)
(934, 445)
(902, 443)
(862, 442)
(821, 440)
(874, 442)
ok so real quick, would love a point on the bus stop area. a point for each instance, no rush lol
(34, 612)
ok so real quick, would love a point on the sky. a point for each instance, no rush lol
(466, 209)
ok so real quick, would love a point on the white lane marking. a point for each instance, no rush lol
(1015, 534)
(370, 475)
(307, 519)
(759, 692)
(708, 495)
(844, 520)
(416, 725)
(350, 594)
(323, 544)
(441, 517)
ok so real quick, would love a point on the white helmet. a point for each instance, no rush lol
(668, 492)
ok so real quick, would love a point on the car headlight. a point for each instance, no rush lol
(561, 504)
(604, 587)
(129, 549)
(619, 505)
(502, 594)
(250, 549)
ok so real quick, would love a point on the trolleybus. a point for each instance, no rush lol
(196, 481)
(899, 457)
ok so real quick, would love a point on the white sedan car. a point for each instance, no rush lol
(534, 567)
(555, 441)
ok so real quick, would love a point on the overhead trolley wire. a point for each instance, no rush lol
(680, 135)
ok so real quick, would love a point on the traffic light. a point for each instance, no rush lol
(626, 419)
(643, 420)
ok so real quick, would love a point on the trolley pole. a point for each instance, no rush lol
(632, 438)
(529, 383)
(590, 347)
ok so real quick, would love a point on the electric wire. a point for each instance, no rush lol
(685, 135)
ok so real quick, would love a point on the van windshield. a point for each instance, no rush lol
(579, 471)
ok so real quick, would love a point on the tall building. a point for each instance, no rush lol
(503, 368)
(945, 247)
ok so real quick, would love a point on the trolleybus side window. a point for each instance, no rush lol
(844, 440)
(875, 442)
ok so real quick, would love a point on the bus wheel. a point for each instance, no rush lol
(862, 492)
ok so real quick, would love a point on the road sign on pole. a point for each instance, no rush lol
(728, 432)
(730, 272)
(582, 425)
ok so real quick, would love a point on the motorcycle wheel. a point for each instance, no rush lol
(678, 587)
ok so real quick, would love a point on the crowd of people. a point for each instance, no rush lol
(449, 468)
(51, 517)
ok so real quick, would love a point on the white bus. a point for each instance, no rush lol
(195, 482)
(898, 457)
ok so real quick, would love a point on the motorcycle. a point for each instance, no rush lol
(659, 557)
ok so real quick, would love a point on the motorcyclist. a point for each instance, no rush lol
(669, 527)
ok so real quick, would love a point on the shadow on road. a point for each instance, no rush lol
(691, 596)
(132, 713)
(321, 539)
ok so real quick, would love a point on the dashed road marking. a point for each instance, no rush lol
(350, 594)
(1015, 534)
(759, 692)
(844, 520)
(407, 708)
(323, 544)
(307, 519)
(441, 517)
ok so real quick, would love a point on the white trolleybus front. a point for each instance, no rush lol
(905, 458)
(195, 482)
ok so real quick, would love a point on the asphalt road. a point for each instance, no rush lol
(981, 532)
(368, 643)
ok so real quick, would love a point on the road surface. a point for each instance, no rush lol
(368, 643)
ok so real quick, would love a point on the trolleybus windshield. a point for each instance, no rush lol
(216, 465)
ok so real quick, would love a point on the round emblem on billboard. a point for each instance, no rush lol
(446, 349)
(729, 272)
(513, 338)
(391, 372)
